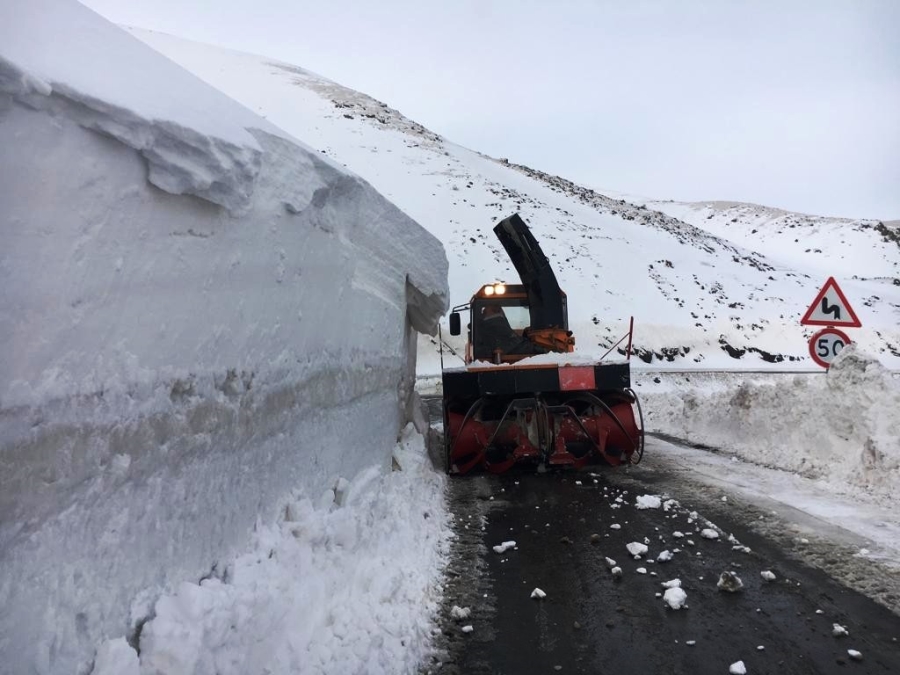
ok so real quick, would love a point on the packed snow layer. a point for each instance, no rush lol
(841, 427)
(175, 361)
(348, 587)
(202, 146)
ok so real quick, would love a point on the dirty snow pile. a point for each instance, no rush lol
(840, 428)
(346, 583)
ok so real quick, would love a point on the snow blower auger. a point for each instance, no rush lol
(499, 412)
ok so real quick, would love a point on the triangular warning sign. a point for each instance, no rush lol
(830, 308)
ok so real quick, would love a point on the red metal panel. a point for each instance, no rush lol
(577, 378)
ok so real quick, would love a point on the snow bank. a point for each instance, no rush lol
(326, 589)
(697, 299)
(199, 315)
(840, 428)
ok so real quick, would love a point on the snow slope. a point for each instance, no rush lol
(703, 294)
(201, 316)
(838, 247)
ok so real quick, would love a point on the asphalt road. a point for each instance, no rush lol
(594, 622)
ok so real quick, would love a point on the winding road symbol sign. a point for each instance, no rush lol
(825, 345)
(831, 308)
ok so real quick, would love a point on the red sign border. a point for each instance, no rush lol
(812, 341)
(806, 321)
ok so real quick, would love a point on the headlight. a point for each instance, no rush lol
(488, 290)
(499, 289)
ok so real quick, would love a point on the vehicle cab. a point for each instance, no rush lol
(499, 319)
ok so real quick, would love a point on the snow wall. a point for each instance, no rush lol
(199, 315)
(839, 428)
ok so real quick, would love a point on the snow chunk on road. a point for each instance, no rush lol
(677, 534)
(460, 613)
(737, 668)
(839, 631)
(767, 575)
(636, 548)
(504, 547)
(855, 655)
(467, 629)
(648, 502)
(709, 533)
(672, 583)
(615, 526)
(675, 597)
(538, 594)
(730, 582)
(616, 571)
(641, 570)
(610, 562)
(664, 556)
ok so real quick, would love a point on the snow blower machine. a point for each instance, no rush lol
(521, 396)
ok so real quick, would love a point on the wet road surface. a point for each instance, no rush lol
(594, 622)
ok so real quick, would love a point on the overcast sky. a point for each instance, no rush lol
(787, 103)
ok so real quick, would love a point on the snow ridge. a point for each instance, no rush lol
(180, 160)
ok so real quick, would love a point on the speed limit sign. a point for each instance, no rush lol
(825, 345)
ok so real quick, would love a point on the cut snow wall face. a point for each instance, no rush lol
(171, 371)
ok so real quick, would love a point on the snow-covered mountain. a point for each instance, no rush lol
(710, 285)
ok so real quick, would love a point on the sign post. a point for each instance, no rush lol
(825, 345)
(830, 308)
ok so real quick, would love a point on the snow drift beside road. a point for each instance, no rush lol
(841, 427)
(349, 584)
(199, 315)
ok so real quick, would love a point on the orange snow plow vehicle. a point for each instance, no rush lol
(521, 396)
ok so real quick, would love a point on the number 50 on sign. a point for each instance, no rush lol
(825, 345)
